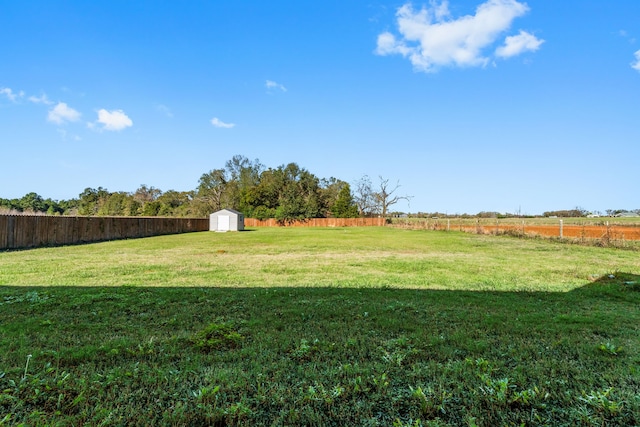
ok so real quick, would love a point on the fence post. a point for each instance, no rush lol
(448, 224)
(561, 229)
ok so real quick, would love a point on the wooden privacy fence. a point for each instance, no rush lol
(317, 222)
(24, 231)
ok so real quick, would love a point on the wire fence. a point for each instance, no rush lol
(603, 231)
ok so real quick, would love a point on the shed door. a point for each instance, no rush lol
(223, 223)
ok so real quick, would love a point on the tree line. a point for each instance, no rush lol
(287, 192)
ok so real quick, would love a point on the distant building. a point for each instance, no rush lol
(626, 215)
(226, 220)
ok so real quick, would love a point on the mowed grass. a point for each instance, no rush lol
(346, 326)
(332, 257)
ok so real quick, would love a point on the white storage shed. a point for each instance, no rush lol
(226, 220)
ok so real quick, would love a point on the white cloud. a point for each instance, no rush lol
(42, 99)
(430, 38)
(115, 120)
(220, 124)
(636, 64)
(13, 97)
(515, 45)
(62, 113)
(270, 84)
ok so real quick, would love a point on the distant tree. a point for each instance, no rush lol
(344, 206)
(146, 194)
(484, 214)
(119, 203)
(9, 204)
(174, 203)
(243, 175)
(385, 197)
(299, 196)
(90, 200)
(53, 207)
(365, 197)
(32, 202)
(211, 190)
(329, 189)
(264, 198)
(68, 207)
(570, 213)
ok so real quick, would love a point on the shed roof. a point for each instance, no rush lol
(233, 211)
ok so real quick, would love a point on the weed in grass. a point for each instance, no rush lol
(409, 423)
(603, 402)
(237, 411)
(26, 367)
(610, 348)
(217, 336)
(526, 397)
(206, 395)
(381, 382)
(358, 385)
(431, 403)
(31, 297)
(396, 351)
(318, 393)
(5, 421)
(498, 391)
(50, 390)
(304, 350)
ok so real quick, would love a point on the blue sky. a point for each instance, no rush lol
(472, 105)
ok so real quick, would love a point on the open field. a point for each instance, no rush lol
(618, 232)
(352, 326)
(599, 221)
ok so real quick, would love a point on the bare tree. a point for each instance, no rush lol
(385, 196)
(364, 197)
(146, 194)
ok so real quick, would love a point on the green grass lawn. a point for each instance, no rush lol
(345, 326)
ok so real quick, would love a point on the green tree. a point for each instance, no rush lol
(263, 199)
(330, 188)
(300, 196)
(151, 208)
(344, 206)
(174, 203)
(32, 202)
(10, 204)
(243, 175)
(211, 190)
(91, 199)
(118, 204)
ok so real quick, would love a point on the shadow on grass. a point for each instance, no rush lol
(162, 307)
(320, 356)
(616, 285)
